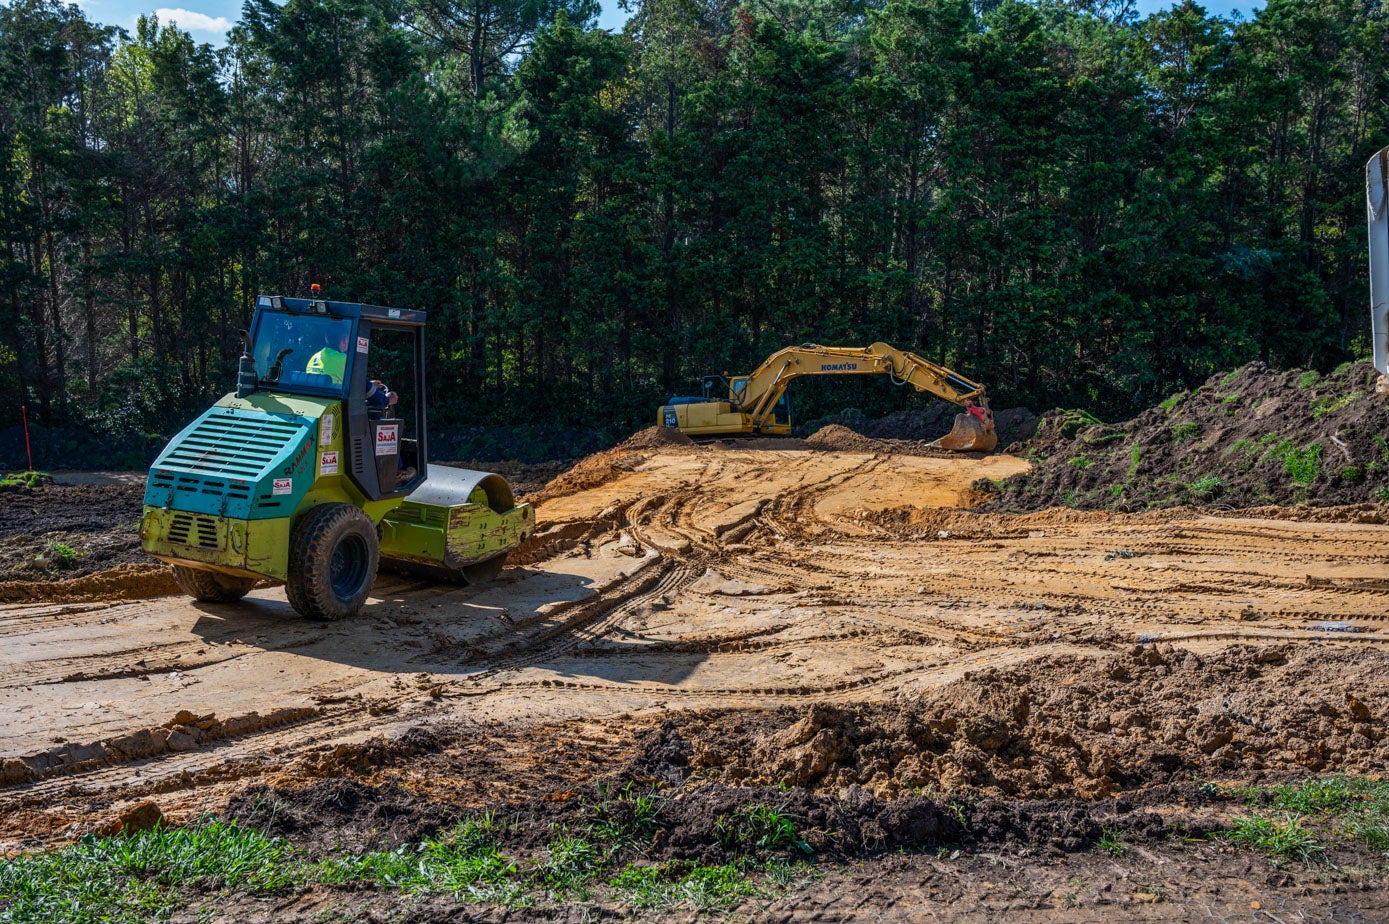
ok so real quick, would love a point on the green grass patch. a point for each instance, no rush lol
(1112, 842)
(1207, 488)
(1229, 377)
(1185, 430)
(1282, 838)
(142, 877)
(1082, 462)
(1307, 380)
(62, 554)
(1302, 465)
(1075, 420)
(761, 827)
(23, 480)
(1330, 404)
(626, 816)
(155, 874)
(1172, 402)
(1352, 808)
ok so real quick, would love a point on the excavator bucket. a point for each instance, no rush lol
(969, 434)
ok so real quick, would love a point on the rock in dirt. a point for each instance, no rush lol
(143, 816)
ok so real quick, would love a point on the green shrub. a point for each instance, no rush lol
(1307, 379)
(1352, 473)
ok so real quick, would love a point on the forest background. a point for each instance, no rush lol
(1074, 204)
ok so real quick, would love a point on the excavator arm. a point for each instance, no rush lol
(753, 400)
(767, 383)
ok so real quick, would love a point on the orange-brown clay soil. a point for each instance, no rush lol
(833, 621)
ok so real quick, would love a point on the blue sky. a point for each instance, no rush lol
(208, 20)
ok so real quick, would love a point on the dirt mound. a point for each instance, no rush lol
(186, 731)
(655, 438)
(123, 582)
(1154, 716)
(1248, 438)
(692, 821)
(842, 439)
(930, 423)
(600, 468)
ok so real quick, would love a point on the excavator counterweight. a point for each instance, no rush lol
(758, 405)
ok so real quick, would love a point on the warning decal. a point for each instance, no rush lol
(363, 344)
(325, 430)
(387, 439)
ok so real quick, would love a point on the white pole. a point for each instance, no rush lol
(1377, 205)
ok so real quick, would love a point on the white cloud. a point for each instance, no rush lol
(193, 22)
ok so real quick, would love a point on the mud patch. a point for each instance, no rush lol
(59, 531)
(1249, 438)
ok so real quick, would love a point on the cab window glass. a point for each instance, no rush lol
(318, 350)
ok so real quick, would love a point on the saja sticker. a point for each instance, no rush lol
(328, 463)
(388, 439)
(282, 486)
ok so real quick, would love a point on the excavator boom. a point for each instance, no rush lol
(756, 403)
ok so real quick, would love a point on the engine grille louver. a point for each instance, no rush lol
(231, 447)
(192, 529)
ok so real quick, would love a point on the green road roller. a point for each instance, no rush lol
(314, 473)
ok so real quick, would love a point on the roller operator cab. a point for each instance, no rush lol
(310, 476)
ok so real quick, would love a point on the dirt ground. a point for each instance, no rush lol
(831, 628)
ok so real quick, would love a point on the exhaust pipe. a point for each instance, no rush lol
(1377, 206)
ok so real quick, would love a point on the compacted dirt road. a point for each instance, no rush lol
(694, 578)
(787, 609)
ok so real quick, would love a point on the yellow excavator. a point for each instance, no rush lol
(759, 405)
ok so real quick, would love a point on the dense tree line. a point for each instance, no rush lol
(1069, 203)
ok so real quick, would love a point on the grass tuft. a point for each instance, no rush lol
(1280, 838)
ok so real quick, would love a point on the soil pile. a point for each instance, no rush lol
(128, 581)
(1157, 715)
(1248, 438)
(656, 438)
(931, 423)
(841, 439)
(600, 468)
